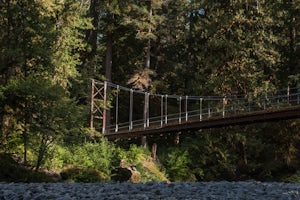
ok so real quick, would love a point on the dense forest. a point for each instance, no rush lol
(52, 49)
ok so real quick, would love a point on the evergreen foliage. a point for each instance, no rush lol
(50, 50)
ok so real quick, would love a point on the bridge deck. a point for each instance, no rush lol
(238, 119)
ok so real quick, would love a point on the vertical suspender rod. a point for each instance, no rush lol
(92, 105)
(201, 101)
(131, 110)
(179, 119)
(186, 108)
(166, 109)
(161, 110)
(104, 120)
(117, 109)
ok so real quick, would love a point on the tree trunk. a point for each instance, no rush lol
(25, 139)
(91, 37)
(8, 40)
(148, 54)
(292, 36)
(41, 154)
(188, 69)
(148, 60)
(108, 70)
(244, 150)
(153, 151)
(26, 121)
(108, 58)
(40, 157)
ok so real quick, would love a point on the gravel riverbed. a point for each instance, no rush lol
(151, 190)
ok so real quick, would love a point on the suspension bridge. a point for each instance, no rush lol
(127, 113)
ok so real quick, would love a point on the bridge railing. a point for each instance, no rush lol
(220, 110)
(132, 110)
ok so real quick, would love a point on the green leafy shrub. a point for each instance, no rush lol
(88, 160)
(98, 155)
(58, 158)
(150, 171)
(176, 162)
(100, 161)
(139, 158)
(292, 178)
(83, 175)
(135, 154)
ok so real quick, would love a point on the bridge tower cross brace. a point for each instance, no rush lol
(98, 108)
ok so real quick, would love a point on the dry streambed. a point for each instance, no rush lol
(150, 190)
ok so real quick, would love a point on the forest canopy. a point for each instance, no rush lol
(50, 50)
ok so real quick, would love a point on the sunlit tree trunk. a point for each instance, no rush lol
(292, 31)
(148, 54)
(148, 57)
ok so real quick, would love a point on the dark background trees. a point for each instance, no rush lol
(50, 50)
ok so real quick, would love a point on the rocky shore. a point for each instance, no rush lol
(151, 190)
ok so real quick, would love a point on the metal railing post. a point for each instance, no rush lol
(201, 99)
(208, 108)
(161, 110)
(104, 110)
(179, 119)
(117, 109)
(146, 110)
(265, 99)
(186, 108)
(130, 110)
(166, 109)
(223, 111)
(234, 104)
(288, 94)
(92, 105)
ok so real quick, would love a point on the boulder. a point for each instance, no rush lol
(123, 174)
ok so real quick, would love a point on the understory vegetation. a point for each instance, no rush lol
(264, 152)
(51, 50)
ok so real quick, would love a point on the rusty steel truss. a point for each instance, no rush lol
(98, 103)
